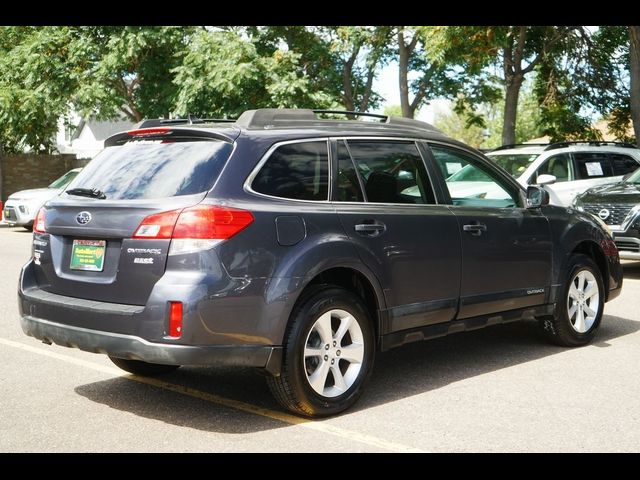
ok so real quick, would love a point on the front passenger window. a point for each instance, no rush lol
(474, 184)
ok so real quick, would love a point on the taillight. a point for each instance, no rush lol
(194, 228)
(211, 222)
(38, 223)
(175, 319)
(158, 225)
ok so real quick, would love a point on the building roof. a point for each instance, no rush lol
(102, 129)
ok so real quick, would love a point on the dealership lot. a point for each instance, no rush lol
(503, 388)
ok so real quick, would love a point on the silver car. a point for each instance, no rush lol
(21, 207)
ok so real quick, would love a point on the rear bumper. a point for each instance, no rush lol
(136, 348)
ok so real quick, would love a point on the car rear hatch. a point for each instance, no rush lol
(98, 244)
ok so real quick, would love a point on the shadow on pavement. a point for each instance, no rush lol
(413, 369)
(631, 271)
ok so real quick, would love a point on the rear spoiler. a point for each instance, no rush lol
(167, 133)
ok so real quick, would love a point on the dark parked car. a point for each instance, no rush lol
(618, 205)
(301, 246)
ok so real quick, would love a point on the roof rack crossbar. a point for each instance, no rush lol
(591, 143)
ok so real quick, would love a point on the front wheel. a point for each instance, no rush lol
(580, 306)
(141, 368)
(328, 354)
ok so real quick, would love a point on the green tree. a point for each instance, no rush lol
(130, 70)
(516, 51)
(39, 73)
(341, 62)
(393, 110)
(224, 74)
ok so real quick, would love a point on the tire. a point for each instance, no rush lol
(566, 328)
(315, 328)
(143, 369)
(28, 228)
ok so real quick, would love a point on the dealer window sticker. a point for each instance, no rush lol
(594, 169)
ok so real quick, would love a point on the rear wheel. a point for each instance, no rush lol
(580, 306)
(328, 354)
(143, 369)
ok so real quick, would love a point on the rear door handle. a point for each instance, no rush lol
(475, 229)
(372, 229)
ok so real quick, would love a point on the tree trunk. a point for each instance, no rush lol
(403, 72)
(634, 68)
(513, 85)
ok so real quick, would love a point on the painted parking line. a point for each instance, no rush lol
(319, 426)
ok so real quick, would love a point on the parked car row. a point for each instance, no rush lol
(601, 178)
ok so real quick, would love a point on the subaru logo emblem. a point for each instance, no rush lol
(83, 218)
(604, 214)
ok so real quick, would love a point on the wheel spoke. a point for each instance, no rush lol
(323, 327)
(318, 378)
(338, 378)
(313, 352)
(581, 281)
(589, 312)
(345, 324)
(591, 290)
(579, 325)
(573, 291)
(353, 353)
(572, 310)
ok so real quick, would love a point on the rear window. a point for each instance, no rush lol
(299, 171)
(154, 169)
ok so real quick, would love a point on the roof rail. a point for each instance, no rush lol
(355, 114)
(591, 143)
(156, 122)
(291, 117)
(515, 145)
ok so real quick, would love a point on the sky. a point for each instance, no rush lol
(387, 85)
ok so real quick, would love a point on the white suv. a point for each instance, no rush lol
(567, 168)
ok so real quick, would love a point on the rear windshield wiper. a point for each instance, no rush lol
(87, 192)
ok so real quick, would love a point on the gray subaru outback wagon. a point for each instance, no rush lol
(302, 245)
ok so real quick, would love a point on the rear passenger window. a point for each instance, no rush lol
(592, 165)
(298, 171)
(622, 164)
(391, 172)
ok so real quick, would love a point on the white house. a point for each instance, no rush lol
(87, 139)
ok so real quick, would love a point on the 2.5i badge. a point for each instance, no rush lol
(88, 255)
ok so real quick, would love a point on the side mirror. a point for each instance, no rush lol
(537, 196)
(546, 179)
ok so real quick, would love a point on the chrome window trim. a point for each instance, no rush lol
(254, 173)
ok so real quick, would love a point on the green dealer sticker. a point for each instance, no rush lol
(88, 255)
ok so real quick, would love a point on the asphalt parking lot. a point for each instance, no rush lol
(499, 389)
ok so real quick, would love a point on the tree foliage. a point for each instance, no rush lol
(150, 72)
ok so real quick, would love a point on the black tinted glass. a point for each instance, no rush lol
(153, 169)
(348, 185)
(622, 164)
(298, 171)
(592, 165)
(392, 172)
